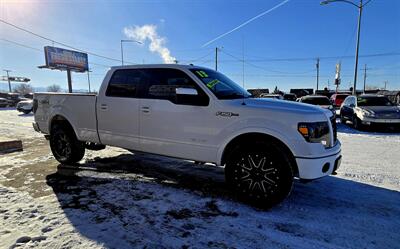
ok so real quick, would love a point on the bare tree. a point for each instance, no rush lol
(54, 88)
(23, 89)
(371, 87)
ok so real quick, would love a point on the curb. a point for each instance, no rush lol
(10, 146)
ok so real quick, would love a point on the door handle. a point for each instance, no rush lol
(103, 107)
(145, 109)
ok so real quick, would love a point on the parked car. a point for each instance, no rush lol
(271, 96)
(199, 114)
(319, 100)
(370, 110)
(338, 98)
(25, 106)
(4, 102)
(289, 96)
(14, 98)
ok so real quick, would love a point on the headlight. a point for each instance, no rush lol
(317, 132)
(366, 113)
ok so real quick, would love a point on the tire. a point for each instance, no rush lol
(357, 123)
(64, 145)
(26, 112)
(342, 119)
(259, 173)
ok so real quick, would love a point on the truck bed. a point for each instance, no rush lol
(79, 109)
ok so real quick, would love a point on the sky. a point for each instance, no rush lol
(279, 48)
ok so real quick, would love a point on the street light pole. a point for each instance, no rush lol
(360, 7)
(122, 48)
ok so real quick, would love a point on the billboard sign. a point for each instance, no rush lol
(63, 59)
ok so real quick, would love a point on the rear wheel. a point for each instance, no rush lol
(357, 123)
(260, 173)
(64, 145)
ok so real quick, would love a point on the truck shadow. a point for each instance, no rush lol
(134, 201)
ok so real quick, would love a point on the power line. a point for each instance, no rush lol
(57, 42)
(22, 45)
(321, 57)
(268, 70)
(200, 58)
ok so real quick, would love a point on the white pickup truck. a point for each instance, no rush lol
(195, 113)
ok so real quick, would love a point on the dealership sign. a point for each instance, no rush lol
(64, 59)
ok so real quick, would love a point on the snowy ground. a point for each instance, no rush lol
(115, 199)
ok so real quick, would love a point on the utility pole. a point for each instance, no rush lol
(69, 80)
(8, 79)
(360, 8)
(122, 54)
(365, 75)
(216, 58)
(88, 78)
(317, 65)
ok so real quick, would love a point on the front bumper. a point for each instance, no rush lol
(23, 108)
(317, 167)
(368, 121)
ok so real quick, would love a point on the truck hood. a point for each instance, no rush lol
(284, 105)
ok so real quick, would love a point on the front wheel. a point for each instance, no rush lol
(357, 123)
(342, 119)
(260, 173)
(65, 146)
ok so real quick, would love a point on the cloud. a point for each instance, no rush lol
(148, 33)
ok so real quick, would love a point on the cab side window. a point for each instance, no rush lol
(347, 101)
(161, 83)
(124, 83)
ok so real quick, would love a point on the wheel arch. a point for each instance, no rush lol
(248, 136)
(60, 119)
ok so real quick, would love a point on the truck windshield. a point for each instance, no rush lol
(220, 85)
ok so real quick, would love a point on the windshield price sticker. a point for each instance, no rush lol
(212, 83)
(202, 74)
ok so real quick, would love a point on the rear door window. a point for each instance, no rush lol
(124, 83)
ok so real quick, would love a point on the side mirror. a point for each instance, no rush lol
(186, 91)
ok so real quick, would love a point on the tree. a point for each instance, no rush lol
(54, 88)
(23, 89)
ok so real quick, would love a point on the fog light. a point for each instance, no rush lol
(325, 168)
